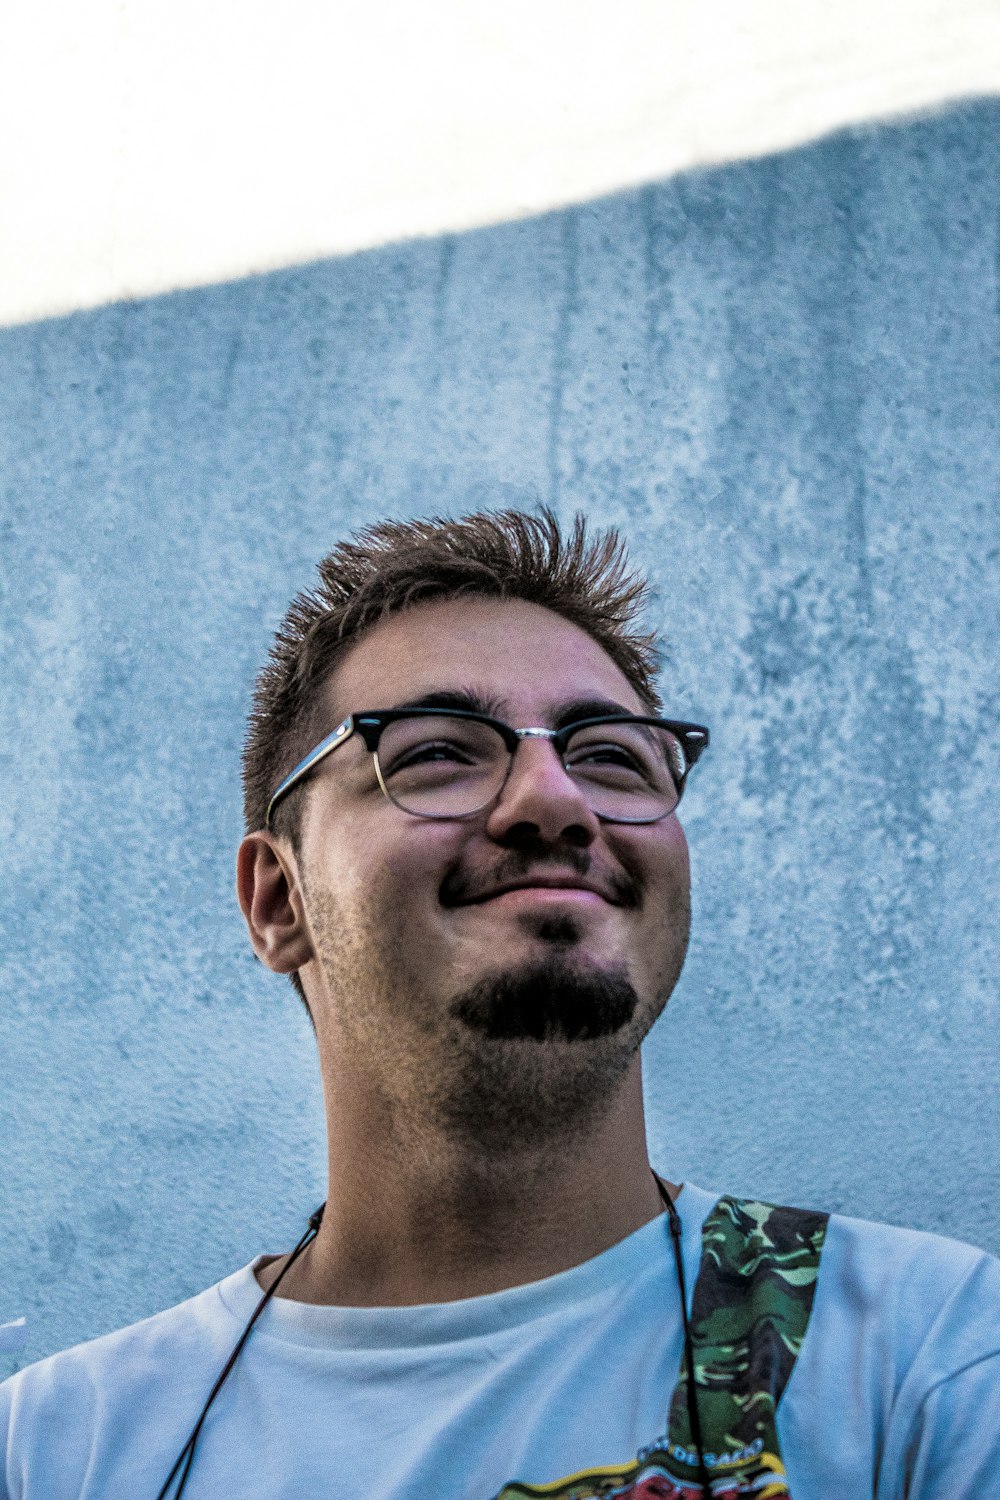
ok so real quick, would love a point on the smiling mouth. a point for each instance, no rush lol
(547, 889)
(541, 890)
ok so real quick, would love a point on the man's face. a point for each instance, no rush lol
(438, 944)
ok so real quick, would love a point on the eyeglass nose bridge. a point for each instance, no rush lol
(529, 732)
(537, 734)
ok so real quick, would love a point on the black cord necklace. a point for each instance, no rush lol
(694, 1420)
(185, 1458)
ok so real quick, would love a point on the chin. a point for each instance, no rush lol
(538, 1053)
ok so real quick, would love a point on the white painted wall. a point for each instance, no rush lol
(152, 144)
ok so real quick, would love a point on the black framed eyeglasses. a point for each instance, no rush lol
(452, 763)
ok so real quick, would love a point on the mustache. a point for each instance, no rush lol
(465, 884)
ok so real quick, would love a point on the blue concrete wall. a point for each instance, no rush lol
(781, 378)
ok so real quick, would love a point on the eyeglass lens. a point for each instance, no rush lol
(435, 766)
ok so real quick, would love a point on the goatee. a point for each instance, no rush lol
(551, 999)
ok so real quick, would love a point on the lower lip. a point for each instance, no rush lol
(545, 895)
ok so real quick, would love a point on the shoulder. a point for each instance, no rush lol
(141, 1348)
(96, 1395)
(934, 1293)
(920, 1304)
(879, 1261)
(907, 1264)
(904, 1345)
(906, 1291)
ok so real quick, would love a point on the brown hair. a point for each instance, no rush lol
(396, 564)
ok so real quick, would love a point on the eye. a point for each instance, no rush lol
(430, 753)
(608, 754)
(623, 755)
(608, 759)
(428, 748)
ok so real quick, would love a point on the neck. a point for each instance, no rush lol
(413, 1216)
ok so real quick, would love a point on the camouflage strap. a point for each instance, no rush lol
(749, 1314)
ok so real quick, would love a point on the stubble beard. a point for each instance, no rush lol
(521, 1059)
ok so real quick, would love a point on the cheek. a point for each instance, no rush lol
(680, 856)
(390, 858)
(676, 880)
(665, 876)
(658, 861)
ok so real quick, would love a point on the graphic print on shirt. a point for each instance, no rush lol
(749, 1313)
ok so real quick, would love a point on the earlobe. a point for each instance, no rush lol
(270, 898)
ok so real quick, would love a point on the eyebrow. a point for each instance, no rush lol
(472, 701)
(466, 699)
(588, 708)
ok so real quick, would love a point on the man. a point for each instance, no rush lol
(463, 846)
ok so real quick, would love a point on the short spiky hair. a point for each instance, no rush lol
(396, 564)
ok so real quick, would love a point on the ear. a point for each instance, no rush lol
(270, 897)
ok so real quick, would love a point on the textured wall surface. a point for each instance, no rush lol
(782, 379)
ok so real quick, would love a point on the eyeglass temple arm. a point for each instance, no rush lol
(320, 752)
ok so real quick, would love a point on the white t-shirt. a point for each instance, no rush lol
(895, 1391)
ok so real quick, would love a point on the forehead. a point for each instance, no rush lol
(523, 658)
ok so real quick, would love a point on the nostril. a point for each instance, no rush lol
(522, 835)
(531, 838)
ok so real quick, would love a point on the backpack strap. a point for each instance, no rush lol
(750, 1309)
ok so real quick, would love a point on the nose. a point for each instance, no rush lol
(540, 799)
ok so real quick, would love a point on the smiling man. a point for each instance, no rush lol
(463, 847)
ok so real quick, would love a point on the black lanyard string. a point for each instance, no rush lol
(186, 1456)
(694, 1419)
